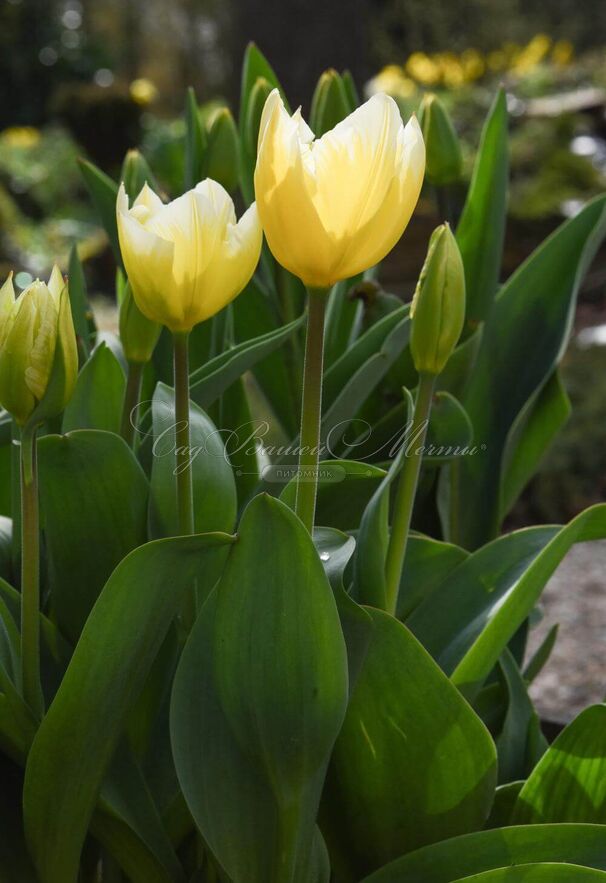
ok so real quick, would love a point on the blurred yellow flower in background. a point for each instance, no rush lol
(20, 136)
(143, 91)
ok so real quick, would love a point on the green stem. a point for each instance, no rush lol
(30, 575)
(185, 498)
(407, 488)
(132, 394)
(311, 409)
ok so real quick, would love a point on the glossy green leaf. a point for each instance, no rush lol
(355, 357)
(569, 782)
(517, 604)
(500, 847)
(99, 394)
(543, 873)
(93, 497)
(481, 230)
(209, 381)
(343, 318)
(469, 619)
(534, 430)
(427, 564)
(259, 698)
(74, 745)
(344, 488)
(413, 763)
(528, 329)
(215, 502)
(103, 192)
(520, 743)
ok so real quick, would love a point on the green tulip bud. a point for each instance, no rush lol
(438, 307)
(136, 173)
(258, 96)
(138, 334)
(38, 353)
(444, 161)
(223, 159)
(330, 103)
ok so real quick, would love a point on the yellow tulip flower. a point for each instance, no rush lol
(335, 206)
(38, 354)
(188, 259)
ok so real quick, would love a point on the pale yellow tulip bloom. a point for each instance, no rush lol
(37, 338)
(335, 206)
(188, 259)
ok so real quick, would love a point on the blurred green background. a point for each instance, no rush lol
(94, 78)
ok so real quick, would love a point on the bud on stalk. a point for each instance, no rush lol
(438, 307)
(444, 161)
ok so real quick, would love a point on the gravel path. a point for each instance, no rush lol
(575, 597)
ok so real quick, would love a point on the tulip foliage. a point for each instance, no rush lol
(274, 649)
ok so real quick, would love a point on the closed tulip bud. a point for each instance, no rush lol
(335, 206)
(135, 173)
(186, 260)
(138, 334)
(438, 307)
(222, 150)
(444, 158)
(330, 103)
(258, 96)
(38, 353)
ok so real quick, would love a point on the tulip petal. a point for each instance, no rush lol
(40, 357)
(148, 260)
(381, 231)
(231, 266)
(17, 343)
(56, 283)
(293, 228)
(7, 299)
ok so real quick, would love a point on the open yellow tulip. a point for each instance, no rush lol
(335, 206)
(188, 259)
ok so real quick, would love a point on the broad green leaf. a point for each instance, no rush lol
(517, 604)
(215, 502)
(93, 496)
(529, 438)
(481, 230)
(343, 317)
(76, 740)
(256, 313)
(103, 192)
(427, 564)
(413, 763)
(79, 303)
(528, 330)
(208, 382)
(6, 545)
(469, 619)
(195, 142)
(569, 782)
(520, 743)
(366, 347)
(543, 873)
(344, 488)
(99, 394)
(259, 698)
(497, 848)
(504, 801)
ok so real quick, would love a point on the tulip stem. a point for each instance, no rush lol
(30, 574)
(132, 394)
(311, 409)
(185, 497)
(407, 488)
